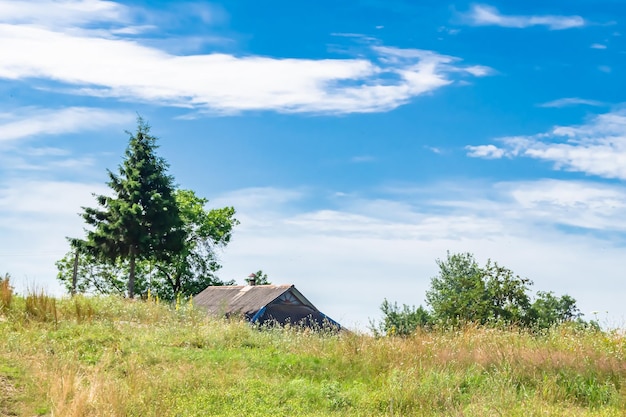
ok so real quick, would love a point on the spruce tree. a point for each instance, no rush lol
(141, 219)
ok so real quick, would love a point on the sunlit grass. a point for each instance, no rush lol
(114, 357)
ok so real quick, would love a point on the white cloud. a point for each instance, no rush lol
(586, 205)
(62, 13)
(571, 101)
(605, 68)
(485, 151)
(96, 63)
(35, 218)
(350, 254)
(597, 147)
(485, 15)
(598, 46)
(347, 259)
(29, 122)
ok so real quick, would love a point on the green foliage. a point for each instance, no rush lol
(186, 273)
(549, 310)
(400, 321)
(465, 292)
(149, 235)
(97, 275)
(459, 291)
(141, 221)
(192, 269)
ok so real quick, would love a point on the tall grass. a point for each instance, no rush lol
(41, 307)
(6, 293)
(113, 357)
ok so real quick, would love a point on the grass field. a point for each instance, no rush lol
(113, 357)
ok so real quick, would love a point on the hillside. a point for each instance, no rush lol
(113, 357)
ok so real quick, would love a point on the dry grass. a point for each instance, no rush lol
(41, 307)
(6, 294)
(112, 357)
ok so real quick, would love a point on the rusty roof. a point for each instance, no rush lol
(242, 299)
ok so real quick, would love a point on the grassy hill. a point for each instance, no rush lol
(113, 357)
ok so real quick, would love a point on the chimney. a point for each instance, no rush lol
(251, 280)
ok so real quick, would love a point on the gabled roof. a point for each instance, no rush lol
(243, 299)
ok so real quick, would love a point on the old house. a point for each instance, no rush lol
(263, 304)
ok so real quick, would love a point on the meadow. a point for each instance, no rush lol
(107, 356)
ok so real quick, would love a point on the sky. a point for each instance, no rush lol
(359, 141)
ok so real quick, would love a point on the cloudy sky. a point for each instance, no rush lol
(358, 140)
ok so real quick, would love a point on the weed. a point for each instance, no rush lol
(6, 293)
(41, 307)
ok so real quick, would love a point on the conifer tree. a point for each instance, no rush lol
(141, 219)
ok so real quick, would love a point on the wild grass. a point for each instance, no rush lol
(6, 294)
(114, 357)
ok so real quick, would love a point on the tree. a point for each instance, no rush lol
(507, 293)
(193, 268)
(141, 221)
(94, 275)
(459, 291)
(186, 272)
(549, 310)
(465, 292)
(400, 321)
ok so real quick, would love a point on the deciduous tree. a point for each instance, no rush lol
(465, 292)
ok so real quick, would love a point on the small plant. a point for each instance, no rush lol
(6, 293)
(83, 309)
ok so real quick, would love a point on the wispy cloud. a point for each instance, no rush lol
(359, 159)
(485, 151)
(597, 147)
(87, 63)
(485, 15)
(571, 101)
(63, 13)
(597, 46)
(355, 239)
(523, 225)
(30, 122)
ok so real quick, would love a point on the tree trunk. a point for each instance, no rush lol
(75, 273)
(131, 277)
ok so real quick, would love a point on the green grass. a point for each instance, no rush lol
(113, 357)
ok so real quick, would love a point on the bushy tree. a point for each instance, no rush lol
(141, 220)
(186, 272)
(465, 292)
(193, 268)
(459, 291)
(548, 309)
(400, 321)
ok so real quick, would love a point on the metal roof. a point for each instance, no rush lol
(243, 299)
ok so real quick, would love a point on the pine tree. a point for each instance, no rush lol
(141, 220)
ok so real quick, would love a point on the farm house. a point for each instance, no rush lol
(263, 304)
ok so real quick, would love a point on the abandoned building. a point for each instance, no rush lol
(263, 304)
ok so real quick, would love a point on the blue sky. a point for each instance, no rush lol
(358, 140)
